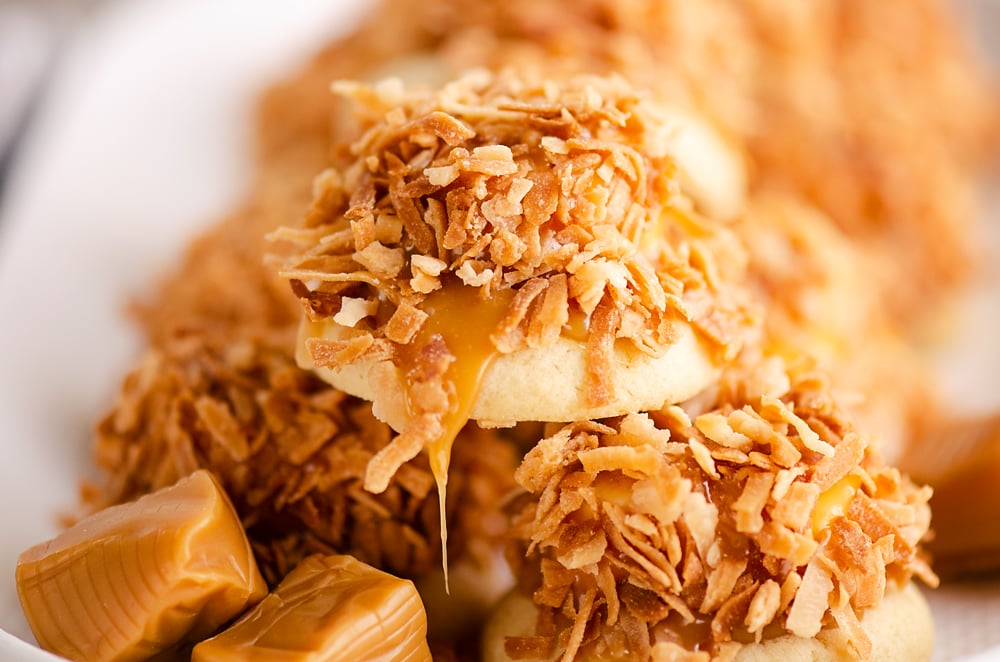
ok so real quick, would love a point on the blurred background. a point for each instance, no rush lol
(34, 34)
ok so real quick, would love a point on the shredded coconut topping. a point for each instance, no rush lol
(291, 453)
(767, 513)
(559, 192)
(498, 183)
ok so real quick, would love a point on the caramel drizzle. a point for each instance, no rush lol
(464, 321)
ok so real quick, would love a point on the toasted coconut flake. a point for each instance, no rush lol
(442, 175)
(662, 495)
(405, 323)
(633, 546)
(848, 454)
(721, 582)
(847, 620)
(793, 509)
(715, 427)
(806, 435)
(640, 430)
(582, 617)
(701, 518)
(729, 615)
(783, 482)
(812, 600)
(388, 229)
(223, 426)
(338, 353)
(552, 315)
(403, 448)
(703, 457)
(510, 333)
(641, 461)
(381, 260)
(600, 352)
(786, 544)
(425, 272)
(582, 554)
(764, 607)
(749, 507)
(750, 423)
(877, 525)
(354, 310)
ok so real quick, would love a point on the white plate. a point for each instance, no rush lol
(143, 139)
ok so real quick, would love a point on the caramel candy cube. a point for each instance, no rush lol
(136, 579)
(329, 608)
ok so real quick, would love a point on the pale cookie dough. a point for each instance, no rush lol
(548, 383)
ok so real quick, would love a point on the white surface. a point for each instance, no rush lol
(27, 41)
(143, 139)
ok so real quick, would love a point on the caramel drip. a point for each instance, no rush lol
(464, 320)
(833, 503)
(577, 327)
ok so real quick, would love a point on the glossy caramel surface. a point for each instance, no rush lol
(330, 608)
(134, 580)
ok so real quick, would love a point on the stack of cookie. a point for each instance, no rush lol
(511, 251)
